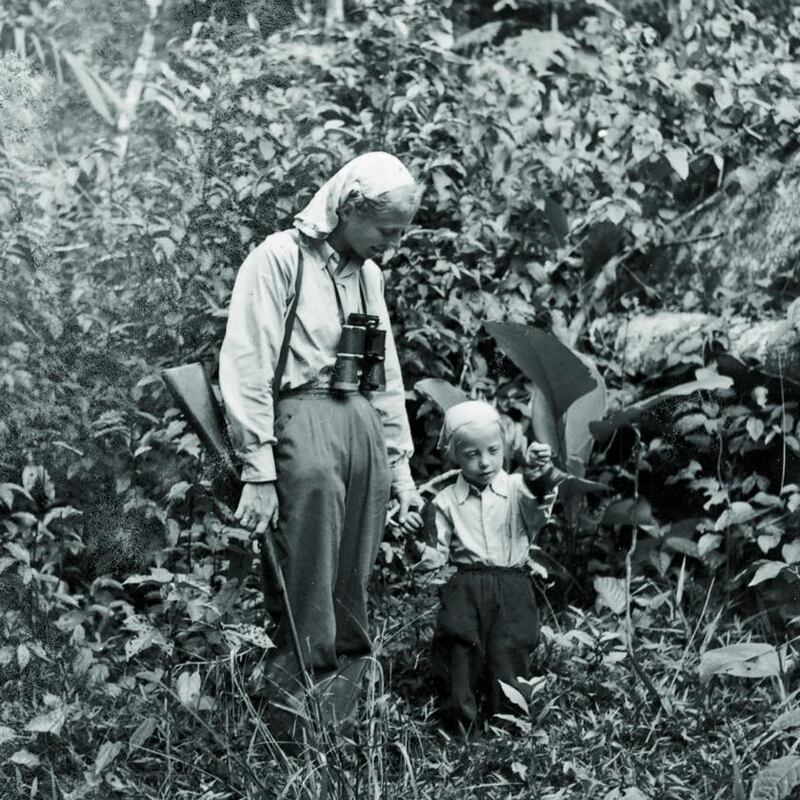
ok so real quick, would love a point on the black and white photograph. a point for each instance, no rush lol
(399, 399)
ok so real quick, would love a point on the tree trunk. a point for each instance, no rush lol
(650, 343)
(137, 81)
(334, 13)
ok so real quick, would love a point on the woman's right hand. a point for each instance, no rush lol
(258, 507)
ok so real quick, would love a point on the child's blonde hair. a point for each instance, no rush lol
(461, 415)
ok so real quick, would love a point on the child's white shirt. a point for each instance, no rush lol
(494, 527)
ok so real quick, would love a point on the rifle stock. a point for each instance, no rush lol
(191, 389)
(193, 394)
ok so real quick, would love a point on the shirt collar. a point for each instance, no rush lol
(463, 488)
(331, 260)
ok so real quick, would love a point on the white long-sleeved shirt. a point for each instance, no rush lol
(494, 527)
(262, 294)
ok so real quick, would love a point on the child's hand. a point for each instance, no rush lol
(412, 524)
(538, 458)
(416, 547)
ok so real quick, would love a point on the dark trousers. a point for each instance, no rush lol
(487, 627)
(333, 489)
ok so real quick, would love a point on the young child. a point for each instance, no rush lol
(488, 621)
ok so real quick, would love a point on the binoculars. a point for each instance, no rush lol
(361, 354)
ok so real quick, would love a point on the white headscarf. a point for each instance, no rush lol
(462, 415)
(367, 176)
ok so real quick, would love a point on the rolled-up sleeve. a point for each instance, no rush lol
(391, 405)
(249, 354)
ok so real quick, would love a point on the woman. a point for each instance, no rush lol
(318, 465)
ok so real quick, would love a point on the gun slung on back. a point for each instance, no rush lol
(192, 392)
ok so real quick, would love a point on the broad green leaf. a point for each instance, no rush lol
(143, 732)
(515, 696)
(7, 494)
(589, 408)
(678, 158)
(178, 491)
(545, 360)
(105, 755)
(755, 427)
(157, 575)
(611, 593)
(789, 720)
(23, 656)
(747, 660)
(606, 6)
(544, 421)
(767, 571)
(791, 552)
(19, 552)
(777, 780)
(144, 639)
(188, 688)
(6, 734)
(540, 49)
(680, 544)
(629, 512)
(737, 513)
(767, 541)
(615, 212)
(51, 722)
(440, 392)
(252, 634)
(708, 542)
(89, 85)
(25, 759)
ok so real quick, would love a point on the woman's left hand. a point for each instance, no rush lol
(408, 499)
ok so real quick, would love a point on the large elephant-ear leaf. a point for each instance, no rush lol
(440, 392)
(589, 408)
(559, 376)
(551, 365)
(544, 421)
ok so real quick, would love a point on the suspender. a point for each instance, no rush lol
(290, 318)
(361, 290)
(287, 331)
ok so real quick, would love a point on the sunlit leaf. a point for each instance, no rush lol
(89, 85)
(611, 593)
(441, 392)
(188, 688)
(777, 780)
(19, 552)
(787, 721)
(105, 755)
(25, 759)
(678, 158)
(791, 552)
(23, 656)
(767, 571)
(51, 722)
(143, 732)
(746, 660)
(515, 696)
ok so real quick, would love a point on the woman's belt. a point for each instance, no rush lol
(321, 385)
(489, 568)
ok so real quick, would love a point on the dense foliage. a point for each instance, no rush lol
(564, 165)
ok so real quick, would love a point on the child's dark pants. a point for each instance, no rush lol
(487, 626)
